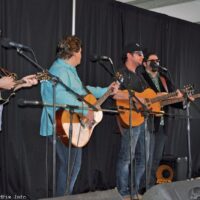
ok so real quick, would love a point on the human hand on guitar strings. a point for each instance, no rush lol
(124, 95)
(7, 83)
(114, 86)
(28, 81)
(90, 117)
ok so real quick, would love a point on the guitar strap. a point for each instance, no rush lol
(164, 83)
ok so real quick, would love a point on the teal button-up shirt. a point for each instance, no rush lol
(69, 76)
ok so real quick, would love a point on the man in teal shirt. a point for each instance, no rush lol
(69, 56)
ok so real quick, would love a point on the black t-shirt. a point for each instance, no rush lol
(132, 81)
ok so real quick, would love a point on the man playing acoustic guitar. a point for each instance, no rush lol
(68, 58)
(132, 58)
(158, 80)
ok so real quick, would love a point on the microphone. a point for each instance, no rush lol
(22, 102)
(95, 58)
(156, 66)
(7, 43)
(163, 68)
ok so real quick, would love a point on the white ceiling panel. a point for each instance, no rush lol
(188, 10)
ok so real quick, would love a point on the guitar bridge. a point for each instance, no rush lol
(85, 123)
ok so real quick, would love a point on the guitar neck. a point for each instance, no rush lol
(177, 100)
(103, 98)
(39, 76)
(18, 82)
(163, 97)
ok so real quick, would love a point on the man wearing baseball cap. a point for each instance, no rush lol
(131, 137)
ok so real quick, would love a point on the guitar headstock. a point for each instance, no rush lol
(43, 76)
(188, 90)
(119, 77)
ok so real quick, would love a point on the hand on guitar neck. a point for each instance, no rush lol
(183, 93)
(112, 89)
(114, 86)
(26, 81)
(8, 83)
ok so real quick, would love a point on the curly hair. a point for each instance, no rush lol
(67, 46)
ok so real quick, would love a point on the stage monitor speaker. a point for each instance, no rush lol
(98, 195)
(172, 169)
(180, 190)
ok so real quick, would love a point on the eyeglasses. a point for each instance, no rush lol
(139, 53)
(154, 60)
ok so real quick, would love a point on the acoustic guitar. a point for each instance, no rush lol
(151, 101)
(82, 129)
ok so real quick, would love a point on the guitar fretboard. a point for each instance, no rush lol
(177, 100)
(103, 98)
(163, 97)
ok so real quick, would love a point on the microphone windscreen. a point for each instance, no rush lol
(5, 42)
(20, 102)
(94, 58)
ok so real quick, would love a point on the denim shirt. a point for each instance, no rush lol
(69, 76)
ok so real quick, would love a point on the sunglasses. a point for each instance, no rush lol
(154, 60)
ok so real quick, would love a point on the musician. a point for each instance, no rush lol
(159, 80)
(132, 58)
(68, 58)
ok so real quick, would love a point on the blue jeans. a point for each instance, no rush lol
(138, 153)
(157, 144)
(62, 167)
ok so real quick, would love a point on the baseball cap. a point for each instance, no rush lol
(131, 47)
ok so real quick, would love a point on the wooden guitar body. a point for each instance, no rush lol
(81, 129)
(137, 115)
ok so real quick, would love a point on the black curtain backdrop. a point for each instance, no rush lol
(104, 27)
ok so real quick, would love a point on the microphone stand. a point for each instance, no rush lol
(187, 103)
(54, 83)
(145, 113)
(55, 80)
(131, 140)
(189, 134)
(189, 140)
(71, 111)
